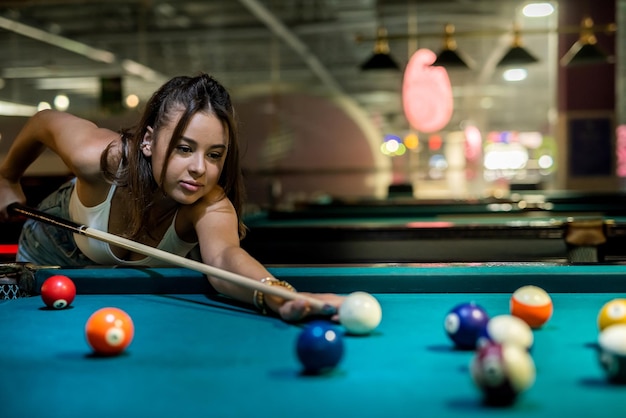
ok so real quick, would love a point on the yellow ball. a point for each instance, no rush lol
(613, 312)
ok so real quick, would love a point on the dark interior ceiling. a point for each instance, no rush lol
(67, 46)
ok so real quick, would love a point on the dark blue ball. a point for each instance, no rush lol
(465, 323)
(320, 347)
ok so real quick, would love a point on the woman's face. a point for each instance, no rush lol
(196, 162)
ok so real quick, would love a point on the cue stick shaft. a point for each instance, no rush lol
(166, 256)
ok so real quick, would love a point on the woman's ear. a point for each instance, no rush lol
(146, 142)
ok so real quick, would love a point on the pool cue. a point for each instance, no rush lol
(167, 257)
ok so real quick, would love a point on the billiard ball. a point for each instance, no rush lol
(109, 331)
(464, 323)
(612, 352)
(319, 347)
(532, 304)
(360, 313)
(613, 312)
(58, 291)
(507, 329)
(502, 371)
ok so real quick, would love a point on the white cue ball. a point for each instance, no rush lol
(360, 313)
(508, 329)
(612, 352)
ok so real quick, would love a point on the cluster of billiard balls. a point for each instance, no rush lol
(612, 339)
(502, 366)
(319, 347)
(109, 331)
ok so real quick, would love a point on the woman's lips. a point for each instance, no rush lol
(192, 187)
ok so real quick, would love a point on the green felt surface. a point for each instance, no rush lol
(197, 357)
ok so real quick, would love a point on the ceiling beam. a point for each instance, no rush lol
(95, 54)
(280, 30)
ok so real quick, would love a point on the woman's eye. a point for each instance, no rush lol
(183, 148)
(215, 155)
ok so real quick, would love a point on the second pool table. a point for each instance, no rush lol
(281, 238)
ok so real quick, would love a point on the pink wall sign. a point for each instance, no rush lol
(426, 93)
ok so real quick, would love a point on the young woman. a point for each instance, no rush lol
(173, 182)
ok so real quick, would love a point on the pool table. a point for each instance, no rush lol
(282, 237)
(196, 354)
(556, 202)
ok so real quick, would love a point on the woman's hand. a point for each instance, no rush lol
(10, 192)
(299, 309)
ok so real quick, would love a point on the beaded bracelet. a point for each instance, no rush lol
(258, 299)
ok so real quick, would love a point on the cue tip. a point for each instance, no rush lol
(328, 309)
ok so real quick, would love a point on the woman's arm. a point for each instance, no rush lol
(216, 228)
(76, 141)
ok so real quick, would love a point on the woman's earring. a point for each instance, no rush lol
(145, 145)
(146, 142)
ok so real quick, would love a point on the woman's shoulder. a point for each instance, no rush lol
(213, 203)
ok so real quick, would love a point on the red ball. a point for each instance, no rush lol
(109, 331)
(58, 291)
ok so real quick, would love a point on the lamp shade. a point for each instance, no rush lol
(517, 55)
(585, 50)
(583, 54)
(380, 61)
(449, 58)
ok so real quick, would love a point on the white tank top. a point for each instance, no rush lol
(97, 217)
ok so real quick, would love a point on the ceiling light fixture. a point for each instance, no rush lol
(584, 51)
(517, 54)
(381, 59)
(538, 9)
(449, 57)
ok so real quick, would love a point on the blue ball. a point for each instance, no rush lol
(320, 347)
(464, 324)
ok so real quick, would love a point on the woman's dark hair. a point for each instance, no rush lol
(185, 96)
